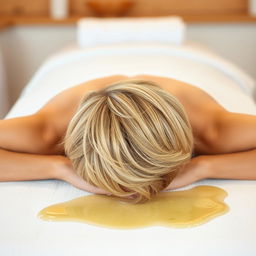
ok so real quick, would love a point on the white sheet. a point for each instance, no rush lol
(187, 63)
(22, 233)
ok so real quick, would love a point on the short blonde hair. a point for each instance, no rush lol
(129, 139)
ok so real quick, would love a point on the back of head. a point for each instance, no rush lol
(129, 138)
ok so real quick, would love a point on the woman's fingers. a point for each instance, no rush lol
(74, 179)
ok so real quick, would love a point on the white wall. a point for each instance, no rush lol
(26, 47)
(236, 42)
(4, 99)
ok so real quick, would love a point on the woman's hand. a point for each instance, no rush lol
(196, 169)
(66, 172)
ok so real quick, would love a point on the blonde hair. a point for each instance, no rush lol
(129, 139)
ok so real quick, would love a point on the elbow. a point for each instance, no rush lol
(48, 141)
(51, 142)
(208, 140)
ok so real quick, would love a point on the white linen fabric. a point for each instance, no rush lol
(98, 31)
(22, 233)
(228, 84)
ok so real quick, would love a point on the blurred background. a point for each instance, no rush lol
(31, 31)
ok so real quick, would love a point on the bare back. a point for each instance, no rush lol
(200, 107)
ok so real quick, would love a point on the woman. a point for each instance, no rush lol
(130, 137)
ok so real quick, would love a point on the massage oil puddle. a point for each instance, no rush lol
(172, 209)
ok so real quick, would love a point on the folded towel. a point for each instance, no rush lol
(101, 31)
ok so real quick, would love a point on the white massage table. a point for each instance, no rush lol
(22, 233)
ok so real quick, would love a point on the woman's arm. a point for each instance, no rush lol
(234, 132)
(25, 147)
(29, 134)
(237, 166)
(22, 166)
(28, 151)
(236, 138)
(234, 152)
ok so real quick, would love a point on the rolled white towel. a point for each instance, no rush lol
(101, 31)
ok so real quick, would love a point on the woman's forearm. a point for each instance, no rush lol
(241, 165)
(21, 166)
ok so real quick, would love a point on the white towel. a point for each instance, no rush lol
(99, 31)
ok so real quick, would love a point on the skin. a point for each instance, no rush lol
(225, 142)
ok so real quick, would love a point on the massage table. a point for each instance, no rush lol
(23, 233)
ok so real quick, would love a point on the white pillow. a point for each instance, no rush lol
(102, 31)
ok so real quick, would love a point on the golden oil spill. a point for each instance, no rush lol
(178, 209)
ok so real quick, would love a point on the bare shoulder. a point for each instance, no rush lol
(194, 99)
(59, 110)
(216, 130)
(202, 109)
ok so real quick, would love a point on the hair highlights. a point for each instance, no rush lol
(129, 138)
